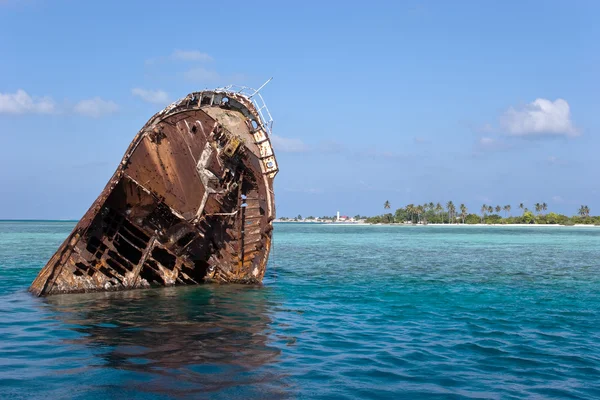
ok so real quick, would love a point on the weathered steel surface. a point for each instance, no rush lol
(192, 201)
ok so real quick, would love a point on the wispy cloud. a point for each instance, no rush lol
(193, 66)
(489, 144)
(202, 75)
(21, 102)
(190, 55)
(421, 140)
(95, 107)
(542, 117)
(151, 96)
(288, 145)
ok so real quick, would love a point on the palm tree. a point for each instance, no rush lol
(544, 206)
(410, 209)
(498, 208)
(439, 209)
(484, 209)
(386, 205)
(449, 207)
(425, 211)
(463, 212)
(538, 208)
(419, 212)
(584, 211)
(431, 206)
(507, 208)
(522, 207)
(490, 209)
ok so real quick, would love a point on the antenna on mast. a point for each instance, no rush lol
(258, 90)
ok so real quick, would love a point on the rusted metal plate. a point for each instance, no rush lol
(192, 201)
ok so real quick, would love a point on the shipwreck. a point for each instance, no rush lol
(191, 201)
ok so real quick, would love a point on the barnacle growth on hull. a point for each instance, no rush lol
(191, 201)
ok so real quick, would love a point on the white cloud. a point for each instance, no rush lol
(202, 75)
(95, 107)
(541, 117)
(487, 141)
(190, 55)
(487, 144)
(558, 199)
(151, 96)
(22, 103)
(288, 145)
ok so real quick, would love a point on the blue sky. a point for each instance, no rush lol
(411, 102)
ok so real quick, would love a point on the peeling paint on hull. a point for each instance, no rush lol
(192, 201)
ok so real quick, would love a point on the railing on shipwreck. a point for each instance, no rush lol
(259, 103)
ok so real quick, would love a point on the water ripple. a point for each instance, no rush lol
(345, 312)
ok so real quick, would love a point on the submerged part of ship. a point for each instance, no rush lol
(192, 201)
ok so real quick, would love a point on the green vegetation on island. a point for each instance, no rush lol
(435, 213)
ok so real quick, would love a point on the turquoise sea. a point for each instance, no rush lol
(345, 312)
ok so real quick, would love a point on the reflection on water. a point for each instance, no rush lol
(189, 339)
(354, 312)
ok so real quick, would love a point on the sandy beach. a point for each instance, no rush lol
(442, 225)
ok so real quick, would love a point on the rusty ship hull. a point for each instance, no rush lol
(192, 201)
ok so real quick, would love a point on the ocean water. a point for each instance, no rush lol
(351, 312)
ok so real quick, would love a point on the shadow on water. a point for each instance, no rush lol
(179, 341)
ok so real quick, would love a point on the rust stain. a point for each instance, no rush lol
(191, 201)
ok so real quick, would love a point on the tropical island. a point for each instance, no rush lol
(436, 213)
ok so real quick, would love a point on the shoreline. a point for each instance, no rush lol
(446, 225)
